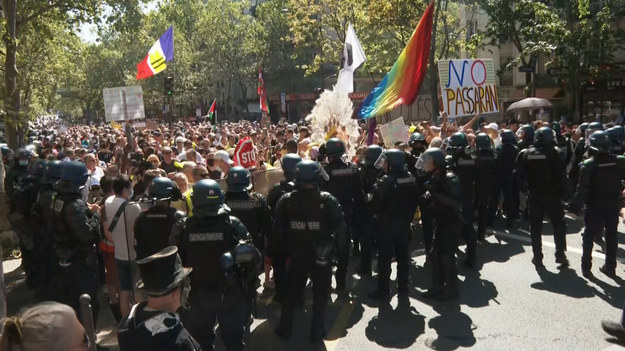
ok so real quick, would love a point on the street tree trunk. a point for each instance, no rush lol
(12, 94)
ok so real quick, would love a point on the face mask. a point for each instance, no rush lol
(219, 170)
(23, 162)
(210, 162)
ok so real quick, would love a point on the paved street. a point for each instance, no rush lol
(507, 305)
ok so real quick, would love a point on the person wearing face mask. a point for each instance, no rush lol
(223, 162)
(155, 325)
(213, 173)
(121, 216)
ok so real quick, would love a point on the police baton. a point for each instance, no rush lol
(86, 318)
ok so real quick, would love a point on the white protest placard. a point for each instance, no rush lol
(394, 131)
(123, 103)
(468, 87)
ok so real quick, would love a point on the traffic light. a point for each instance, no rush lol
(169, 85)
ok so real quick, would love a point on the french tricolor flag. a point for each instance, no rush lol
(161, 52)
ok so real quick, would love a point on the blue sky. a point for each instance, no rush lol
(89, 32)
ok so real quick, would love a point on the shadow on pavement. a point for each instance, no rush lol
(611, 294)
(397, 328)
(454, 328)
(566, 282)
(263, 338)
(476, 292)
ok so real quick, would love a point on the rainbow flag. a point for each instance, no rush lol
(401, 85)
(162, 51)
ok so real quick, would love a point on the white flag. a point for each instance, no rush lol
(353, 57)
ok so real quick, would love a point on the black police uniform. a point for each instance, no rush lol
(542, 170)
(485, 182)
(395, 201)
(578, 158)
(464, 167)
(599, 189)
(367, 217)
(344, 185)
(76, 233)
(201, 240)
(506, 155)
(252, 209)
(44, 243)
(445, 204)
(311, 224)
(275, 249)
(152, 229)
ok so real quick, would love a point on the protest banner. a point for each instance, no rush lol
(468, 87)
(123, 103)
(394, 131)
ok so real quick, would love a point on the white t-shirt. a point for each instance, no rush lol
(120, 239)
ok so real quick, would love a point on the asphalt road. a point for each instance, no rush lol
(506, 305)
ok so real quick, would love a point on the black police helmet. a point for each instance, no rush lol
(396, 160)
(24, 154)
(507, 136)
(289, 161)
(526, 132)
(206, 193)
(238, 179)
(617, 136)
(557, 128)
(458, 140)
(75, 173)
(436, 155)
(582, 129)
(7, 152)
(593, 127)
(416, 138)
(161, 188)
(482, 142)
(544, 137)
(600, 142)
(372, 153)
(335, 147)
(53, 170)
(307, 172)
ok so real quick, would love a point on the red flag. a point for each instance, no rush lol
(261, 92)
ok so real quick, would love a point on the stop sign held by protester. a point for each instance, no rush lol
(244, 154)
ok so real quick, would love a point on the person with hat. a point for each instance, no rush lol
(541, 170)
(344, 184)
(76, 234)
(153, 226)
(223, 162)
(599, 191)
(311, 226)
(155, 325)
(208, 242)
(394, 200)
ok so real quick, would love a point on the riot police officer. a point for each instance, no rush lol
(369, 175)
(252, 209)
(485, 180)
(43, 248)
(617, 139)
(344, 185)
(311, 225)
(76, 233)
(562, 142)
(394, 199)
(541, 169)
(506, 155)
(443, 196)
(417, 145)
(154, 225)
(202, 241)
(463, 165)
(599, 190)
(526, 136)
(274, 247)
